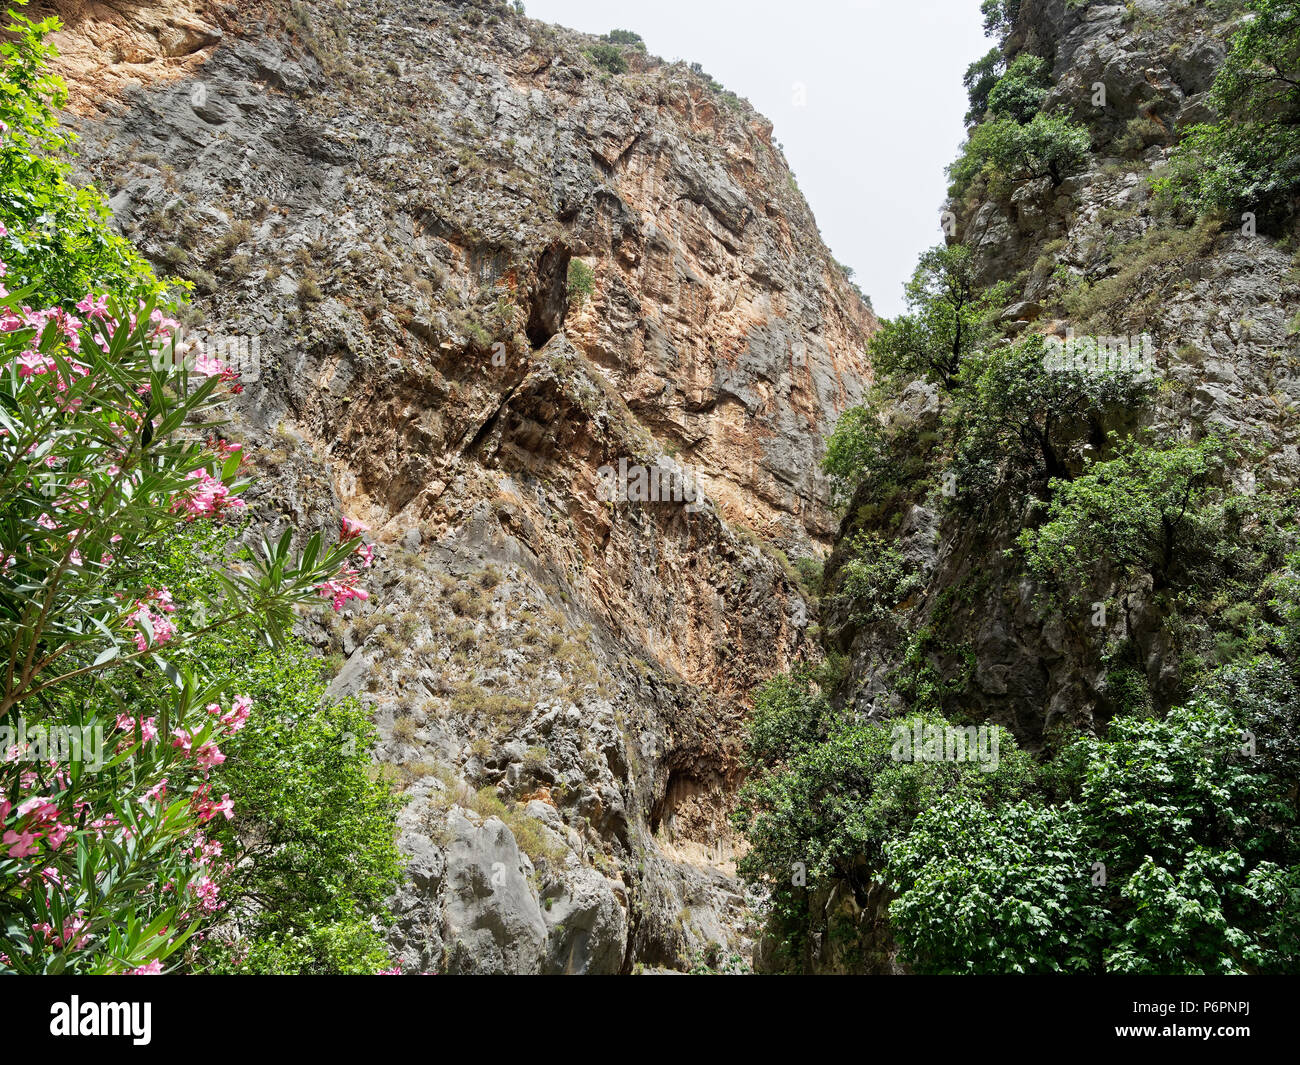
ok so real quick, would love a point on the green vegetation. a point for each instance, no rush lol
(1147, 510)
(582, 282)
(999, 17)
(59, 245)
(1248, 161)
(608, 57)
(1169, 846)
(949, 317)
(875, 579)
(1176, 854)
(1002, 149)
(824, 797)
(1019, 93)
(625, 39)
(1018, 418)
(980, 78)
(1157, 832)
(130, 611)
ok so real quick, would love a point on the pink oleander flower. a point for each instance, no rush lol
(163, 627)
(72, 936)
(208, 809)
(93, 306)
(154, 968)
(205, 890)
(148, 729)
(38, 809)
(158, 792)
(21, 844)
(210, 496)
(238, 715)
(208, 756)
(56, 834)
(31, 363)
(353, 528)
(342, 588)
(162, 325)
(208, 365)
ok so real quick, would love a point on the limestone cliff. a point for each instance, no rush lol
(466, 268)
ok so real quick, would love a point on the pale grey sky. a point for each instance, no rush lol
(883, 112)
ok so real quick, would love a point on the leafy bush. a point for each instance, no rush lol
(1000, 17)
(1017, 415)
(858, 446)
(1147, 510)
(874, 579)
(1019, 93)
(950, 316)
(314, 849)
(582, 282)
(57, 243)
(1048, 146)
(626, 39)
(1250, 159)
(825, 794)
(980, 78)
(608, 57)
(1179, 857)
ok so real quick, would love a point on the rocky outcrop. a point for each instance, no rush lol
(1099, 255)
(465, 269)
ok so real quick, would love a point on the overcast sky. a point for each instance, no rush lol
(883, 111)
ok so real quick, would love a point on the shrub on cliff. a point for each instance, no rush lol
(1148, 510)
(625, 39)
(608, 57)
(980, 78)
(1248, 161)
(1018, 418)
(950, 315)
(1004, 150)
(1019, 93)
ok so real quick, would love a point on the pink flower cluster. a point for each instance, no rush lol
(210, 497)
(235, 718)
(36, 818)
(148, 727)
(71, 935)
(153, 609)
(343, 587)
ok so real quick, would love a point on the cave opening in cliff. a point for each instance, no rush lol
(549, 300)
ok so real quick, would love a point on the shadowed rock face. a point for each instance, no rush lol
(386, 199)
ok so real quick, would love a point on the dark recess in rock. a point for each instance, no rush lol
(550, 296)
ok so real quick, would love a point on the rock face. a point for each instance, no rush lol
(1216, 303)
(1099, 255)
(467, 272)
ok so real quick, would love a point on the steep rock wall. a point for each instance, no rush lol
(383, 203)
